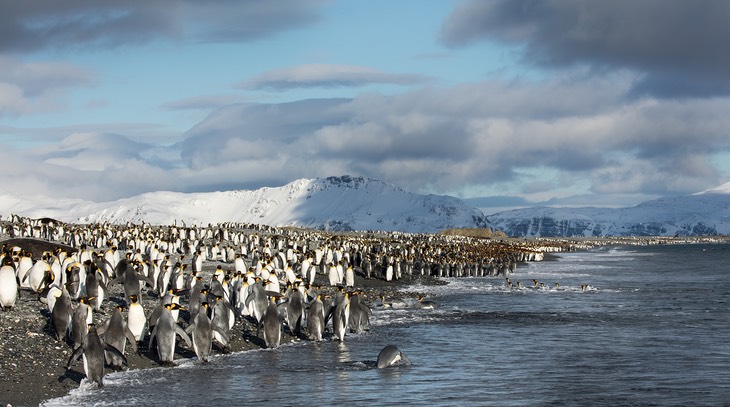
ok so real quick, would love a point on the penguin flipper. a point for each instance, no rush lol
(145, 279)
(152, 337)
(222, 332)
(112, 354)
(183, 335)
(130, 338)
(75, 356)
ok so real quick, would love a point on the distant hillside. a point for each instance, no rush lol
(335, 203)
(705, 213)
(355, 203)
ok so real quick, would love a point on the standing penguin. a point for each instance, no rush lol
(40, 276)
(116, 333)
(82, 317)
(359, 314)
(165, 331)
(201, 331)
(8, 287)
(61, 315)
(92, 350)
(136, 319)
(315, 319)
(221, 321)
(341, 316)
(295, 312)
(95, 286)
(272, 324)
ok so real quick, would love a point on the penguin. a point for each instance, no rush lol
(295, 312)
(54, 291)
(360, 313)
(272, 324)
(95, 286)
(221, 321)
(61, 315)
(201, 331)
(116, 333)
(8, 287)
(257, 301)
(136, 319)
(340, 317)
(165, 331)
(391, 356)
(315, 319)
(334, 278)
(80, 321)
(40, 276)
(92, 350)
(131, 279)
(349, 277)
(73, 279)
(25, 263)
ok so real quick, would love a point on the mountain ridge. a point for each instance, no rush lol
(348, 203)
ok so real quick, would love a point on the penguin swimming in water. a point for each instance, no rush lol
(165, 331)
(92, 350)
(392, 356)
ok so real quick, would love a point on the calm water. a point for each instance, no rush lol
(651, 329)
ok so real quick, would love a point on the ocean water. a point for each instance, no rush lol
(649, 327)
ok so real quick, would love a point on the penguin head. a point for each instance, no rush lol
(134, 298)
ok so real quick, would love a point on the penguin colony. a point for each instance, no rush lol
(275, 280)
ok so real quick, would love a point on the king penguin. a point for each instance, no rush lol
(82, 317)
(272, 324)
(116, 333)
(391, 356)
(165, 331)
(92, 350)
(136, 319)
(201, 331)
(61, 315)
(315, 319)
(8, 287)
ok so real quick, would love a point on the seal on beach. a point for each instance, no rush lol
(92, 350)
(392, 356)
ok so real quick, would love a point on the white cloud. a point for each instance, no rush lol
(327, 76)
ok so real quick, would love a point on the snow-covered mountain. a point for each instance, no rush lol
(333, 203)
(357, 203)
(704, 213)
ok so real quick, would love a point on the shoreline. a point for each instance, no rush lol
(33, 363)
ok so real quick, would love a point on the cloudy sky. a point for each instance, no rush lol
(504, 103)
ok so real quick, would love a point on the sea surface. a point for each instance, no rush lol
(650, 326)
